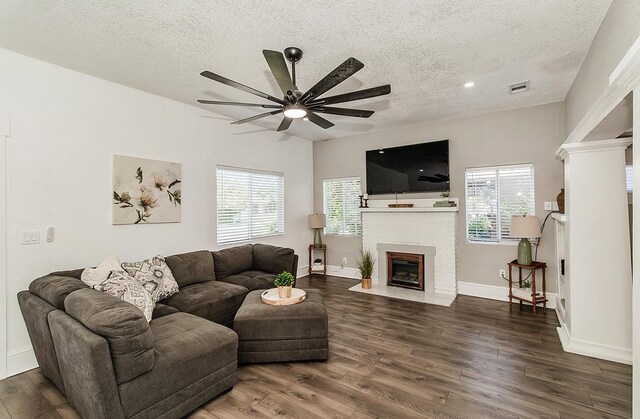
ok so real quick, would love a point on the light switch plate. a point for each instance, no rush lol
(31, 237)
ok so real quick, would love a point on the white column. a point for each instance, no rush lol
(636, 257)
(598, 264)
(5, 128)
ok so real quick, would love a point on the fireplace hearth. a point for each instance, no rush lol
(405, 270)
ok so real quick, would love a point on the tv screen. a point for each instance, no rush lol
(407, 169)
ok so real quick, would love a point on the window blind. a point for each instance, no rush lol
(493, 195)
(341, 206)
(629, 175)
(250, 204)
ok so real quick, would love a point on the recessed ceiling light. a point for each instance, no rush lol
(381, 151)
(469, 85)
(422, 170)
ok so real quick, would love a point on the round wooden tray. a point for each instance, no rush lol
(271, 297)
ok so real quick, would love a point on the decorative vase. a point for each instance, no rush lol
(524, 252)
(317, 238)
(366, 283)
(560, 200)
(284, 292)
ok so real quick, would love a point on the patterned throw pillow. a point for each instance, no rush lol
(155, 275)
(93, 276)
(122, 286)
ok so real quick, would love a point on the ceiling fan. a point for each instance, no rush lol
(295, 104)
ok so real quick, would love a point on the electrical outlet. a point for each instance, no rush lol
(344, 261)
(548, 206)
(503, 273)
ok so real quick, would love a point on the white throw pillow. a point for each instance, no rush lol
(155, 275)
(93, 276)
(121, 285)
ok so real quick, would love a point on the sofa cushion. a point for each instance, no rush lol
(233, 260)
(73, 273)
(55, 288)
(162, 310)
(192, 268)
(211, 300)
(121, 324)
(187, 349)
(156, 277)
(252, 280)
(272, 259)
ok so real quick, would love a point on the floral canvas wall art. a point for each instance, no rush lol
(146, 191)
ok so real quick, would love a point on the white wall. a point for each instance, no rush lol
(619, 30)
(65, 128)
(525, 135)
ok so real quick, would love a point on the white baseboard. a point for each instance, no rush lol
(302, 271)
(351, 273)
(595, 350)
(21, 361)
(494, 292)
(332, 270)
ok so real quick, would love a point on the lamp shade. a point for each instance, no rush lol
(317, 220)
(525, 226)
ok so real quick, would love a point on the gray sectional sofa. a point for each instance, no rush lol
(111, 363)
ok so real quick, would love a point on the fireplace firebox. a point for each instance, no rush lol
(405, 270)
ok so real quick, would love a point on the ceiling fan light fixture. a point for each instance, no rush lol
(295, 111)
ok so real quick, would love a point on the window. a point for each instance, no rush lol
(341, 205)
(250, 204)
(629, 174)
(494, 194)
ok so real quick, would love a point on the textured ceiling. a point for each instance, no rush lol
(426, 50)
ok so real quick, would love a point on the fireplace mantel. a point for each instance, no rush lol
(414, 209)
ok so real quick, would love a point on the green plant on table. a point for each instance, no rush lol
(365, 263)
(284, 279)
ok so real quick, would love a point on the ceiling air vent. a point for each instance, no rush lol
(514, 88)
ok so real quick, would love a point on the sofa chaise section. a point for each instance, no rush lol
(120, 366)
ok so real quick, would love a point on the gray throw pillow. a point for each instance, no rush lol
(156, 277)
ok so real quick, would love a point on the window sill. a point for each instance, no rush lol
(350, 236)
(249, 240)
(501, 243)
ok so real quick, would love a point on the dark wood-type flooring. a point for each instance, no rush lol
(399, 359)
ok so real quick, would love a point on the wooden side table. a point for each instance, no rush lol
(312, 250)
(534, 298)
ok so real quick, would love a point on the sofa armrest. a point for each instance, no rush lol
(86, 368)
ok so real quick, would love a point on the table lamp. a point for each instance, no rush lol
(524, 227)
(317, 222)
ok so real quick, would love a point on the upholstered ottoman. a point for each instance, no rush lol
(268, 333)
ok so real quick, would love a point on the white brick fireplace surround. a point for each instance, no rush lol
(413, 228)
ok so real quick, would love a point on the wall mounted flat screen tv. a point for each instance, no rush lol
(409, 169)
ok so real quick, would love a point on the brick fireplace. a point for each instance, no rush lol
(425, 231)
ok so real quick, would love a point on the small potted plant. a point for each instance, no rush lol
(284, 282)
(365, 264)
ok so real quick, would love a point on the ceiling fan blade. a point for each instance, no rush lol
(217, 102)
(280, 71)
(229, 82)
(320, 121)
(253, 118)
(359, 113)
(285, 124)
(357, 95)
(331, 80)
